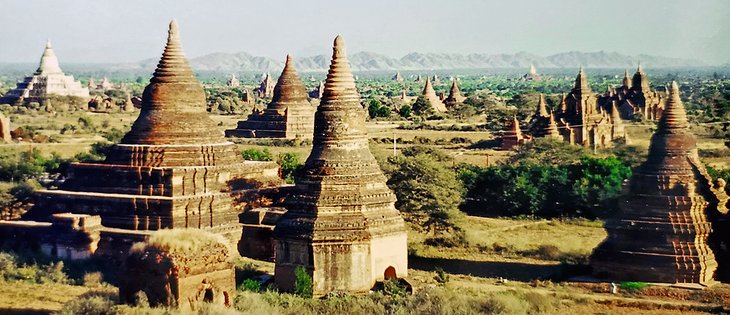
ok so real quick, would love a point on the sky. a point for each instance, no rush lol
(103, 31)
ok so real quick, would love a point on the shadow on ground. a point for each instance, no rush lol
(494, 269)
(17, 311)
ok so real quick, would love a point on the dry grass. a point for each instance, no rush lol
(181, 240)
(29, 297)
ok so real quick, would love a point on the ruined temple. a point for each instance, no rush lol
(233, 81)
(582, 120)
(341, 225)
(48, 79)
(513, 136)
(634, 97)
(532, 75)
(288, 115)
(429, 95)
(266, 88)
(660, 233)
(173, 169)
(455, 96)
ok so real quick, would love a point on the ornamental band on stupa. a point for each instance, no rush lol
(288, 115)
(341, 225)
(48, 79)
(661, 231)
(173, 169)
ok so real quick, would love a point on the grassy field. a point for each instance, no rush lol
(475, 278)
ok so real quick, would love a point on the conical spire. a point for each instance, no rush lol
(674, 116)
(428, 88)
(627, 79)
(49, 62)
(454, 92)
(542, 107)
(430, 95)
(640, 81)
(516, 126)
(173, 104)
(533, 71)
(552, 129)
(289, 90)
(581, 81)
(639, 69)
(563, 104)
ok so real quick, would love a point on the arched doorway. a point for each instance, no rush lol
(390, 273)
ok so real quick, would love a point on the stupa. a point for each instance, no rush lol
(5, 129)
(288, 115)
(541, 120)
(429, 94)
(341, 225)
(48, 79)
(532, 75)
(233, 81)
(513, 136)
(660, 233)
(455, 96)
(173, 169)
(266, 88)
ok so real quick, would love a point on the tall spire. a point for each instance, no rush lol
(674, 116)
(533, 71)
(541, 107)
(627, 79)
(173, 103)
(581, 81)
(552, 128)
(49, 62)
(640, 81)
(289, 89)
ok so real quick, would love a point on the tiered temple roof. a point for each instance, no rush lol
(48, 79)
(661, 231)
(635, 96)
(173, 169)
(288, 115)
(341, 224)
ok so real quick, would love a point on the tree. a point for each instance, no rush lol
(289, 163)
(428, 192)
(257, 155)
(422, 107)
(546, 151)
(405, 111)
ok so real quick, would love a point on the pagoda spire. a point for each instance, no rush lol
(289, 89)
(581, 81)
(542, 107)
(49, 62)
(552, 128)
(627, 79)
(173, 109)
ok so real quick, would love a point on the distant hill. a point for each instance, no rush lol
(369, 61)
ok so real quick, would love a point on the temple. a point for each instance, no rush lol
(288, 115)
(48, 79)
(635, 97)
(661, 231)
(532, 75)
(5, 136)
(266, 88)
(455, 96)
(341, 225)
(397, 77)
(173, 169)
(233, 81)
(513, 136)
(429, 95)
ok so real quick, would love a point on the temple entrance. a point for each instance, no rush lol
(390, 273)
(208, 296)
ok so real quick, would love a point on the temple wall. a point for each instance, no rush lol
(341, 267)
(389, 251)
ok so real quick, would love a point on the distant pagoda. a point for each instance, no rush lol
(288, 115)
(455, 96)
(429, 95)
(532, 75)
(513, 136)
(635, 96)
(233, 81)
(266, 88)
(173, 169)
(47, 80)
(397, 77)
(660, 233)
(341, 225)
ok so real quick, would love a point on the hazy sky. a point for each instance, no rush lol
(132, 30)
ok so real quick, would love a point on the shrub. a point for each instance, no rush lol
(257, 155)
(302, 282)
(251, 285)
(633, 286)
(441, 276)
(289, 163)
(93, 305)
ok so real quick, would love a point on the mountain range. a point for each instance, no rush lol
(369, 61)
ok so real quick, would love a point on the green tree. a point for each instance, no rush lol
(289, 163)
(422, 107)
(428, 192)
(405, 111)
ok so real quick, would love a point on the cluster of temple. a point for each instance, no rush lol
(48, 79)
(175, 171)
(586, 118)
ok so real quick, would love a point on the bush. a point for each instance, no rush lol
(251, 285)
(633, 286)
(289, 163)
(257, 155)
(302, 282)
(93, 305)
